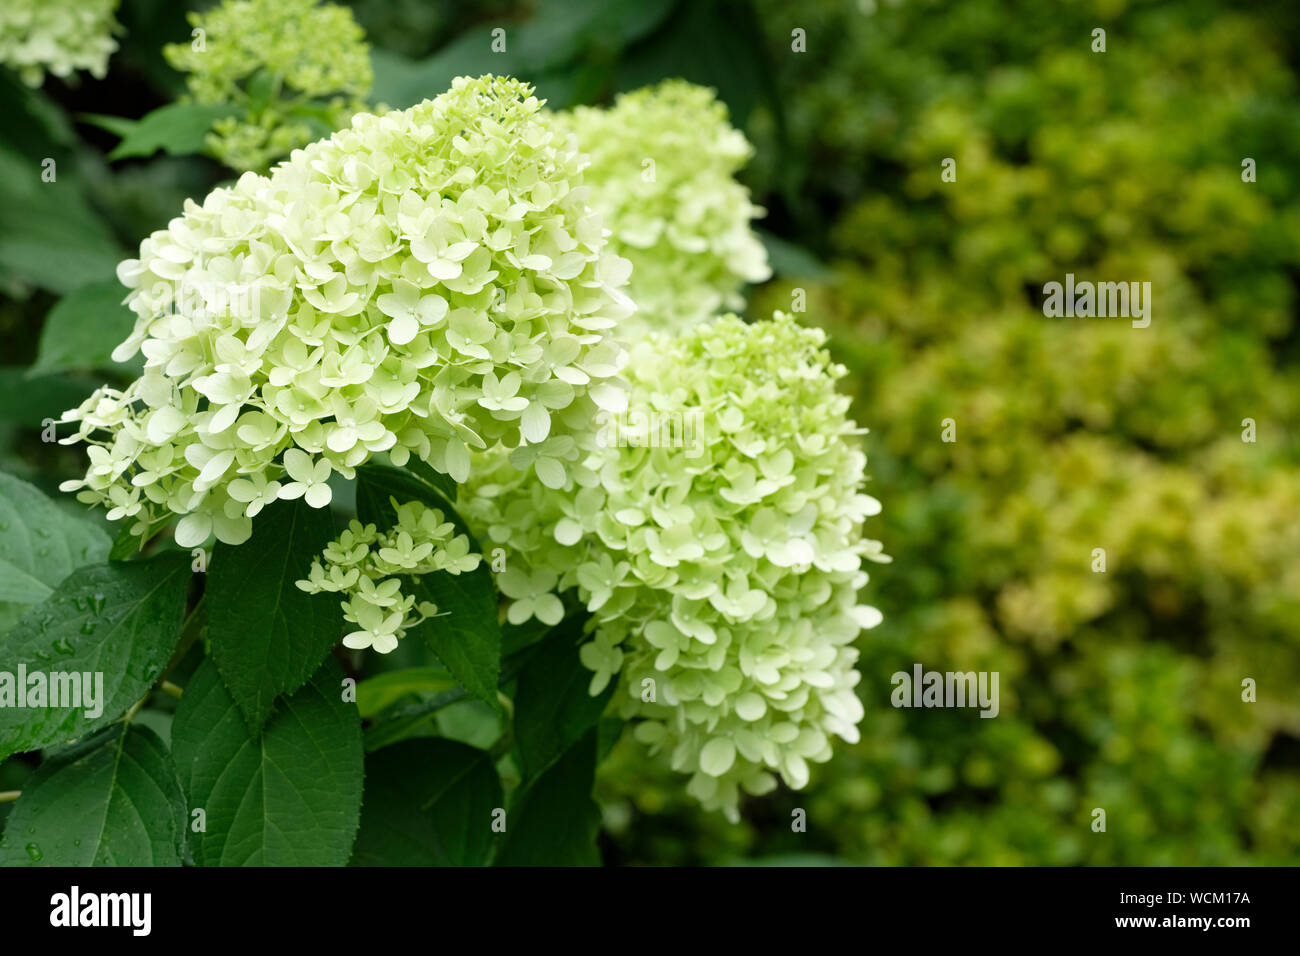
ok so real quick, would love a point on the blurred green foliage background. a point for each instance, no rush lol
(1120, 690)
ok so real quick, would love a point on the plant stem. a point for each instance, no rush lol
(135, 708)
(190, 632)
(9, 796)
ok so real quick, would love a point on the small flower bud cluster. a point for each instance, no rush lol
(367, 567)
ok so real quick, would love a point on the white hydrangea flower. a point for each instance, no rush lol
(57, 36)
(663, 162)
(426, 283)
(722, 570)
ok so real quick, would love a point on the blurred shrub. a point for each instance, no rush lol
(1120, 690)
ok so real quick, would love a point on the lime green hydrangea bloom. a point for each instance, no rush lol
(423, 283)
(722, 572)
(367, 567)
(57, 36)
(663, 162)
(295, 69)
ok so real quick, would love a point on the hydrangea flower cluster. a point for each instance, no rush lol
(723, 583)
(423, 283)
(295, 69)
(57, 36)
(663, 161)
(367, 567)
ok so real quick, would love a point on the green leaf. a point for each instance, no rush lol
(267, 635)
(178, 129)
(718, 44)
(119, 126)
(289, 796)
(789, 259)
(608, 732)
(520, 637)
(423, 716)
(401, 82)
(50, 233)
(468, 639)
(110, 800)
(375, 694)
(559, 33)
(553, 820)
(377, 483)
(471, 722)
(553, 710)
(428, 803)
(120, 621)
(260, 89)
(445, 485)
(126, 545)
(40, 545)
(33, 402)
(417, 719)
(82, 330)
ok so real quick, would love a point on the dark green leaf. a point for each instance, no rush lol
(443, 484)
(559, 33)
(33, 402)
(267, 635)
(471, 722)
(608, 732)
(40, 545)
(260, 88)
(553, 820)
(717, 44)
(177, 128)
(792, 260)
(519, 637)
(289, 796)
(428, 803)
(468, 638)
(50, 233)
(552, 707)
(126, 545)
(119, 126)
(110, 800)
(374, 694)
(410, 720)
(83, 328)
(401, 82)
(120, 621)
(377, 483)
